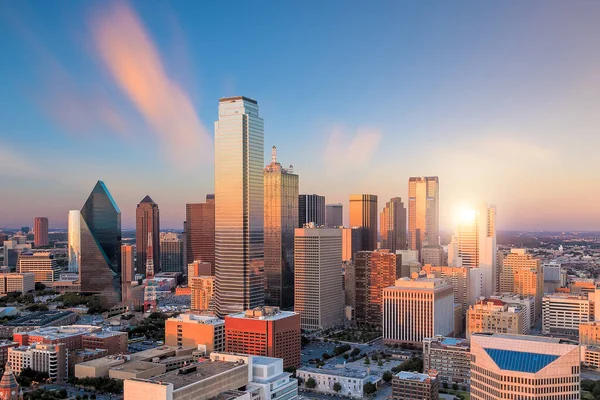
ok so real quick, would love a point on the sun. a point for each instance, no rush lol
(467, 215)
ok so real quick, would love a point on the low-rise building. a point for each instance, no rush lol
(114, 342)
(4, 346)
(352, 381)
(12, 282)
(449, 358)
(494, 316)
(35, 320)
(414, 386)
(562, 313)
(526, 302)
(70, 336)
(200, 331)
(50, 358)
(41, 264)
(137, 369)
(591, 356)
(589, 333)
(98, 367)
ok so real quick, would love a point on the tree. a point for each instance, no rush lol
(455, 386)
(367, 361)
(39, 286)
(387, 376)
(369, 388)
(445, 385)
(380, 363)
(326, 356)
(310, 383)
(337, 387)
(346, 356)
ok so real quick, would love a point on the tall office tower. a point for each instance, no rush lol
(393, 225)
(334, 215)
(171, 252)
(522, 274)
(42, 264)
(127, 269)
(351, 242)
(203, 290)
(311, 208)
(373, 271)
(423, 212)
(12, 250)
(40, 226)
(147, 221)
(433, 255)
(100, 240)
(363, 214)
(317, 277)
(418, 308)
(239, 206)
(198, 268)
(281, 218)
(200, 232)
(74, 240)
(475, 244)
(523, 367)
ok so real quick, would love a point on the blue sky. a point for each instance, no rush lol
(499, 99)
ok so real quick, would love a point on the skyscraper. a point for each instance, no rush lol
(171, 252)
(393, 225)
(374, 271)
(311, 208)
(317, 277)
(74, 240)
(363, 214)
(200, 232)
(334, 215)
(475, 244)
(100, 239)
(423, 211)
(522, 274)
(281, 217)
(239, 206)
(127, 269)
(40, 226)
(147, 225)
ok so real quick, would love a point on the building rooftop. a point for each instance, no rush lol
(226, 99)
(135, 367)
(262, 360)
(160, 352)
(40, 318)
(520, 361)
(60, 332)
(203, 369)
(104, 361)
(345, 372)
(413, 376)
(263, 313)
(196, 318)
(106, 334)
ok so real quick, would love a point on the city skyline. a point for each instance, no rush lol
(452, 87)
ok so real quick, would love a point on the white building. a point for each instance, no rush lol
(42, 264)
(318, 294)
(417, 308)
(351, 381)
(50, 358)
(564, 312)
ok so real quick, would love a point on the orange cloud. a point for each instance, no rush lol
(136, 66)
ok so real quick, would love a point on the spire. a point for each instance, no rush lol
(274, 155)
(147, 199)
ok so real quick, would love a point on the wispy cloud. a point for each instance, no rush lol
(136, 66)
(346, 152)
(15, 164)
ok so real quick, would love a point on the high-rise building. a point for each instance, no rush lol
(40, 226)
(449, 358)
(393, 225)
(100, 241)
(198, 331)
(374, 271)
(433, 255)
(418, 308)
(334, 215)
(147, 227)
(522, 274)
(363, 214)
(562, 313)
(74, 240)
(200, 232)
(523, 367)
(198, 268)
(281, 218)
(265, 331)
(415, 386)
(351, 242)
(171, 252)
(311, 208)
(494, 316)
(42, 265)
(239, 206)
(318, 277)
(203, 290)
(423, 212)
(12, 250)
(127, 268)
(475, 242)
(50, 358)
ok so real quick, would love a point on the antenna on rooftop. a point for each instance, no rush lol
(274, 155)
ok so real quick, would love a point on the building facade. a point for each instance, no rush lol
(522, 274)
(40, 226)
(50, 358)
(198, 331)
(239, 206)
(42, 265)
(449, 358)
(351, 381)
(423, 212)
(363, 214)
(494, 316)
(589, 333)
(147, 228)
(318, 296)
(200, 232)
(171, 252)
(265, 331)
(13, 282)
(373, 271)
(415, 309)
(351, 242)
(393, 225)
(563, 313)
(203, 291)
(415, 386)
(311, 209)
(523, 367)
(281, 218)
(334, 215)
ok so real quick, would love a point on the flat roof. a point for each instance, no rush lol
(136, 366)
(543, 339)
(204, 369)
(413, 376)
(39, 318)
(106, 334)
(225, 99)
(262, 360)
(161, 351)
(272, 317)
(345, 372)
(104, 361)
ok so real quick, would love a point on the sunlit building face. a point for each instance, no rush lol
(239, 191)
(423, 211)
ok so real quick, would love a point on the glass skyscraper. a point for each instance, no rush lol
(423, 212)
(281, 217)
(311, 208)
(239, 206)
(100, 241)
